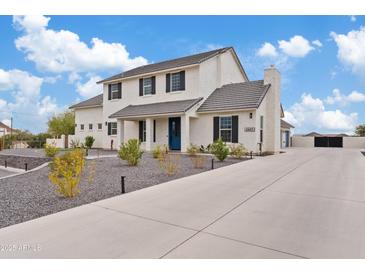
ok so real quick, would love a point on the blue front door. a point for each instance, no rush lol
(175, 133)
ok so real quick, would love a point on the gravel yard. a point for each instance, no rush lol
(31, 195)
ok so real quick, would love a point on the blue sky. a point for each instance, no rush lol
(50, 62)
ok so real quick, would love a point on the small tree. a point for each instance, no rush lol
(89, 141)
(360, 130)
(219, 149)
(131, 152)
(63, 123)
(66, 171)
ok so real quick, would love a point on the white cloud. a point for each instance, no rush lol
(29, 108)
(267, 50)
(62, 51)
(52, 79)
(297, 46)
(30, 23)
(311, 114)
(338, 97)
(351, 50)
(317, 43)
(89, 88)
(353, 18)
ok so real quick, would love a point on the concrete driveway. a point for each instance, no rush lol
(305, 203)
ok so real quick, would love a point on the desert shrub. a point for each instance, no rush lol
(219, 149)
(198, 161)
(159, 151)
(51, 150)
(238, 151)
(76, 144)
(192, 150)
(66, 172)
(204, 149)
(131, 152)
(89, 141)
(170, 163)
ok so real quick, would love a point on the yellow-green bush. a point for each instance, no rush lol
(131, 152)
(51, 150)
(159, 151)
(170, 163)
(192, 150)
(238, 150)
(66, 172)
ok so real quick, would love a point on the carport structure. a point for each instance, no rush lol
(327, 140)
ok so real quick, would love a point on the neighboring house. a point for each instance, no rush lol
(194, 99)
(285, 133)
(4, 129)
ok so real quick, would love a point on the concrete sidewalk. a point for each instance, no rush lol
(306, 203)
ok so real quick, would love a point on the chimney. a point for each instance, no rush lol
(272, 111)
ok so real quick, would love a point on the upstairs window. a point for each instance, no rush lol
(147, 86)
(175, 81)
(82, 127)
(115, 91)
(90, 126)
(100, 126)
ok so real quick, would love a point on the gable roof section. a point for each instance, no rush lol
(96, 101)
(174, 63)
(246, 95)
(285, 124)
(2, 125)
(156, 108)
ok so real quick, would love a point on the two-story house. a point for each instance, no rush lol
(194, 99)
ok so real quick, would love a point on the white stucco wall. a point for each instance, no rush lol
(201, 129)
(354, 142)
(303, 141)
(88, 116)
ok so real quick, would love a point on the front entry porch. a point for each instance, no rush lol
(173, 131)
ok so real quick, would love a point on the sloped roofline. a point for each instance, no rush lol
(215, 53)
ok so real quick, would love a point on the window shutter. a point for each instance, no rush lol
(109, 129)
(168, 75)
(234, 129)
(182, 80)
(119, 90)
(153, 80)
(154, 131)
(140, 133)
(215, 128)
(109, 92)
(141, 87)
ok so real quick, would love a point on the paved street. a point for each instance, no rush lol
(306, 203)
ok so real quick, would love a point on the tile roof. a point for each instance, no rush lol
(92, 102)
(243, 95)
(156, 108)
(2, 125)
(169, 64)
(285, 124)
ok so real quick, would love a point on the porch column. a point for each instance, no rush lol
(120, 132)
(149, 134)
(185, 132)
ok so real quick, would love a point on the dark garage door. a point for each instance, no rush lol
(328, 141)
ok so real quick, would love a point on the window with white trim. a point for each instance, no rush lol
(100, 126)
(113, 128)
(90, 126)
(114, 88)
(225, 128)
(147, 86)
(82, 127)
(175, 81)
